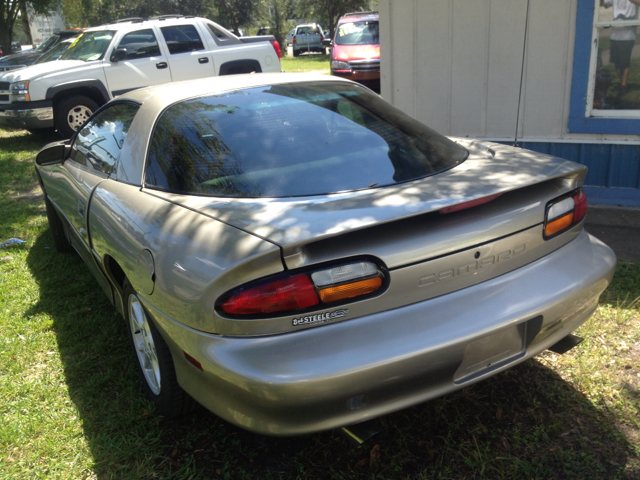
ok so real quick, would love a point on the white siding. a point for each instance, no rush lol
(456, 65)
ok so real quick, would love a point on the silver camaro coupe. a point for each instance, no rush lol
(296, 254)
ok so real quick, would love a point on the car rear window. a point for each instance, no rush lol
(297, 139)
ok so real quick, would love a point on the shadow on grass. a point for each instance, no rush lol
(524, 423)
(17, 141)
(13, 172)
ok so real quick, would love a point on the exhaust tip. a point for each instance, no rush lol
(566, 344)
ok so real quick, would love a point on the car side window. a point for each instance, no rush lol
(182, 38)
(140, 44)
(97, 146)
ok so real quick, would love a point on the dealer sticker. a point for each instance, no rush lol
(320, 318)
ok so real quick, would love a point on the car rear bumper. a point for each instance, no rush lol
(344, 373)
(38, 115)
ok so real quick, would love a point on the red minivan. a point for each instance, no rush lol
(355, 52)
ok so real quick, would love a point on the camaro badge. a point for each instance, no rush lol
(320, 317)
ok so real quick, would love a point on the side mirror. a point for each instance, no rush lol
(53, 153)
(119, 54)
(326, 42)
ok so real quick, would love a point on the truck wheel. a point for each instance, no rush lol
(153, 360)
(72, 112)
(296, 53)
(60, 242)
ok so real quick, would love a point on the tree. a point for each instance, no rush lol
(234, 14)
(85, 13)
(330, 11)
(9, 14)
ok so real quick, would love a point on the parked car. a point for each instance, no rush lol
(296, 254)
(56, 51)
(22, 59)
(289, 38)
(264, 31)
(307, 38)
(110, 60)
(355, 49)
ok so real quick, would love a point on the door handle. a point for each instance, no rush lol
(203, 60)
(161, 65)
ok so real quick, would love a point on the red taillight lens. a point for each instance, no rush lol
(294, 39)
(276, 47)
(290, 293)
(581, 206)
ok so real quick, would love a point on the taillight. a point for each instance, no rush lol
(304, 291)
(564, 212)
(291, 293)
(276, 47)
(294, 39)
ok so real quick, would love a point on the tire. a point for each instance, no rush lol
(153, 360)
(296, 53)
(60, 241)
(71, 113)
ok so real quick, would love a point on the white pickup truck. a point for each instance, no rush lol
(112, 59)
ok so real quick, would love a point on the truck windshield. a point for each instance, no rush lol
(89, 46)
(358, 33)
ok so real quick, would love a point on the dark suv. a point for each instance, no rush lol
(355, 52)
(22, 59)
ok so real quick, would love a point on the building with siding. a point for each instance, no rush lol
(539, 72)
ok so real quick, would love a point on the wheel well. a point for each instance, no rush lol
(240, 66)
(92, 93)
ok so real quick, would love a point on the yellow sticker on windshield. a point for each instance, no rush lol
(76, 40)
(347, 28)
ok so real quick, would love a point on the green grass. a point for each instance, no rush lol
(72, 408)
(307, 62)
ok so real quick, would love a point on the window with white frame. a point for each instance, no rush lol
(614, 73)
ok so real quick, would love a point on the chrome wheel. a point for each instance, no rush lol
(77, 116)
(144, 344)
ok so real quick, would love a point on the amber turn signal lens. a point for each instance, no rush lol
(558, 225)
(350, 290)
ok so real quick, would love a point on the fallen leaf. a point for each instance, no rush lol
(374, 455)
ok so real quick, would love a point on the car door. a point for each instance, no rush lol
(93, 154)
(188, 58)
(143, 64)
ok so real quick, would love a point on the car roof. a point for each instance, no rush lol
(70, 32)
(136, 23)
(170, 93)
(357, 16)
(156, 99)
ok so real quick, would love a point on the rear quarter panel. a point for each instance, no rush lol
(195, 257)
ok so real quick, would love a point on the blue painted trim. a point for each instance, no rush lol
(578, 122)
(614, 169)
(627, 197)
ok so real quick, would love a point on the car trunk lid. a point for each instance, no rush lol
(380, 221)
